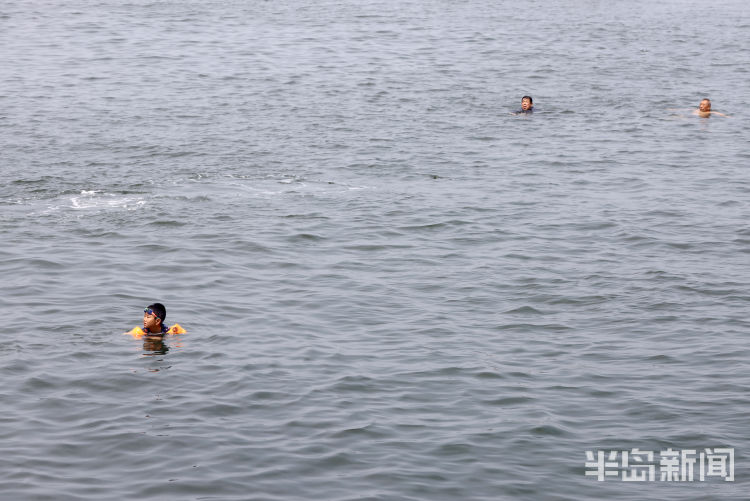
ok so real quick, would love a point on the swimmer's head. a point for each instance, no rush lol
(153, 316)
(526, 103)
(705, 105)
(157, 309)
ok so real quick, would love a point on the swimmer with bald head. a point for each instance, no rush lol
(704, 109)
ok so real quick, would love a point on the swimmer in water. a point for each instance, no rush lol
(153, 324)
(704, 109)
(527, 106)
(153, 320)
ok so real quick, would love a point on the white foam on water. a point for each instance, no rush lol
(93, 199)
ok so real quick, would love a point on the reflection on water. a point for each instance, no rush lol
(154, 346)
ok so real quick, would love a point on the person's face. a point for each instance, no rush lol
(705, 106)
(525, 104)
(150, 321)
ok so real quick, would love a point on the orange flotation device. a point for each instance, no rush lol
(138, 332)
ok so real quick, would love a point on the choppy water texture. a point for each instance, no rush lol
(393, 288)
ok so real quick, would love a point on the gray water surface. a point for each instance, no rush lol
(393, 288)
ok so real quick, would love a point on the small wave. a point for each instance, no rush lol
(527, 310)
(92, 199)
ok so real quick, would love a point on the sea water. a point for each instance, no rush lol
(394, 289)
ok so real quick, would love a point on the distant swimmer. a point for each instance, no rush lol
(527, 106)
(704, 109)
(153, 323)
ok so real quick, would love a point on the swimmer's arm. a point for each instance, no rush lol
(176, 329)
